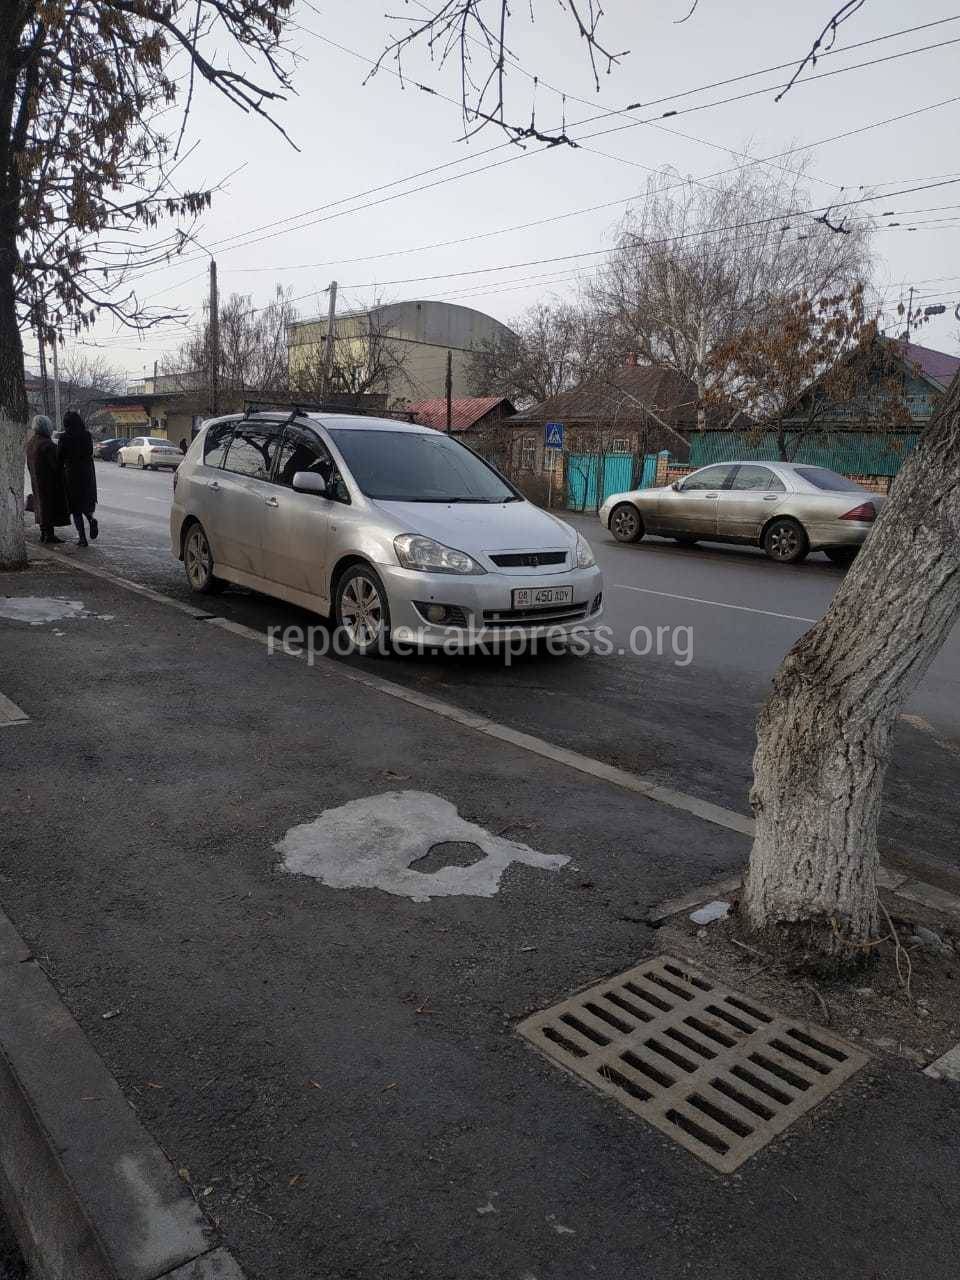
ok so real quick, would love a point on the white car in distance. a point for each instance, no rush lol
(149, 453)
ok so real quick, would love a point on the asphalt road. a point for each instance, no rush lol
(336, 1068)
(679, 704)
(11, 1264)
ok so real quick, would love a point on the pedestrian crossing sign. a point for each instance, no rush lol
(553, 435)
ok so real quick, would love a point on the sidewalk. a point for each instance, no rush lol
(336, 1070)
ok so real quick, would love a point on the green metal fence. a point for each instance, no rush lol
(855, 453)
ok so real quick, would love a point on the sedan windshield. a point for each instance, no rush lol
(414, 466)
(824, 478)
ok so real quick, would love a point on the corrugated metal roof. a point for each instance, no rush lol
(933, 364)
(465, 411)
(669, 393)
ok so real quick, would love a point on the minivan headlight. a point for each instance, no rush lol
(414, 551)
(585, 556)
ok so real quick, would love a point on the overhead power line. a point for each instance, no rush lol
(838, 137)
(238, 240)
(586, 253)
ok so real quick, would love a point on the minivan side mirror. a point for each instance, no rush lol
(310, 482)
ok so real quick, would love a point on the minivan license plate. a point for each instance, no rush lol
(541, 597)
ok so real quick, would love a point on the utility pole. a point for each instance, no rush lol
(449, 390)
(155, 377)
(45, 385)
(328, 341)
(214, 341)
(56, 385)
(910, 312)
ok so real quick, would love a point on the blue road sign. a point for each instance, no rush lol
(553, 435)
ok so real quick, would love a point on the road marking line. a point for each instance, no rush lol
(717, 604)
(713, 813)
(10, 713)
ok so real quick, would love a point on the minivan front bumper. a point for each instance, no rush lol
(480, 610)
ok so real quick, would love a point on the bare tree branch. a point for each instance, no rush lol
(828, 34)
(450, 27)
(688, 15)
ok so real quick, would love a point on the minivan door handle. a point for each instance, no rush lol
(271, 502)
(772, 497)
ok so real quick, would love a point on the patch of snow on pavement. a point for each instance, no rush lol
(370, 844)
(39, 609)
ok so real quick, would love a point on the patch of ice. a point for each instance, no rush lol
(712, 911)
(37, 610)
(370, 844)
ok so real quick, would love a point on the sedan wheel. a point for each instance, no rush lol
(141, 464)
(625, 523)
(198, 562)
(363, 611)
(785, 541)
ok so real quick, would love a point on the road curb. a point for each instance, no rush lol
(88, 1192)
(890, 878)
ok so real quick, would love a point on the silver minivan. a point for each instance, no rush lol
(393, 530)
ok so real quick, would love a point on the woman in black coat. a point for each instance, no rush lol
(76, 458)
(46, 480)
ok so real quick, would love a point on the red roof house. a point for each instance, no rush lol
(467, 413)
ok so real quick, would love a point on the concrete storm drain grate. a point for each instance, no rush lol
(712, 1069)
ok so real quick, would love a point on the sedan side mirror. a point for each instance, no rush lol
(310, 482)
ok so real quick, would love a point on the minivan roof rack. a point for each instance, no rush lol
(320, 406)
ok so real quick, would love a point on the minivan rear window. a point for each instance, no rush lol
(824, 478)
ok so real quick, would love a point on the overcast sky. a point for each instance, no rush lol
(352, 138)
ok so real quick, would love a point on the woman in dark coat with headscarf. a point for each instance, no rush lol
(80, 477)
(46, 480)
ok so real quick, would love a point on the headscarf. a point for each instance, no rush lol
(72, 423)
(41, 424)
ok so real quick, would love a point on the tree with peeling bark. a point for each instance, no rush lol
(824, 737)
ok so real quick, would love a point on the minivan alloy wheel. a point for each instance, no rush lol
(198, 562)
(362, 609)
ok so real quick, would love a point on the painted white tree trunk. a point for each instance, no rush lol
(824, 736)
(13, 546)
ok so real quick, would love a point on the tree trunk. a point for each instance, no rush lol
(13, 416)
(824, 736)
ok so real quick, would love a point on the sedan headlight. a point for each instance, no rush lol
(414, 551)
(585, 556)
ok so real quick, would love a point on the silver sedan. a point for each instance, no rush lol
(789, 509)
(395, 530)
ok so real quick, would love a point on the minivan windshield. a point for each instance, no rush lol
(417, 466)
